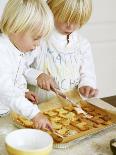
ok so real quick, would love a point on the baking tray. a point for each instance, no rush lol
(54, 102)
(76, 141)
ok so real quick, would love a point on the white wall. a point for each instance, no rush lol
(101, 32)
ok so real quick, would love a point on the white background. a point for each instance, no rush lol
(101, 32)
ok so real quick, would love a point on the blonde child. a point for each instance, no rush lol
(66, 59)
(23, 23)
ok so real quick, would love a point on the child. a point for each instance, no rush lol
(23, 23)
(66, 57)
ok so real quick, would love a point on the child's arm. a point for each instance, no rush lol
(11, 95)
(14, 98)
(33, 72)
(87, 85)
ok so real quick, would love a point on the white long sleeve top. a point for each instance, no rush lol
(70, 64)
(12, 81)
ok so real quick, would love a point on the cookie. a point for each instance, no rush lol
(82, 126)
(63, 131)
(50, 113)
(56, 126)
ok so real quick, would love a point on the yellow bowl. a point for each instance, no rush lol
(28, 142)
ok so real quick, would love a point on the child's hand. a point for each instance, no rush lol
(46, 82)
(31, 96)
(41, 122)
(88, 91)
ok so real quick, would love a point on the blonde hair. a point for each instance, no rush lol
(71, 11)
(27, 15)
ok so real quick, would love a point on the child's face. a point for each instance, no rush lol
(65, 28)
(25, 42)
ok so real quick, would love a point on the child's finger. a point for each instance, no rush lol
(43, 85)
(35, 97)
(49, 126)
(81, 90)
(40, 124)
(36, 125)
(92, 92)
(43, 126)
(48, 86)
(40, 85)
(53, 87)
(87, 91)
(32, 98)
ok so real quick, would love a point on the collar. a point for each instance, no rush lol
(58, 42)
(57, 36)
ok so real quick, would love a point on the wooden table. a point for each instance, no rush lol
(111, 100)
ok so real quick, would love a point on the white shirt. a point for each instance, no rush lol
(70, 64)
(12, 81)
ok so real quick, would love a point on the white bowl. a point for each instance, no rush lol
(28, 142)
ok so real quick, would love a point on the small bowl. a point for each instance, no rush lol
(28, 142)
(113, 145)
